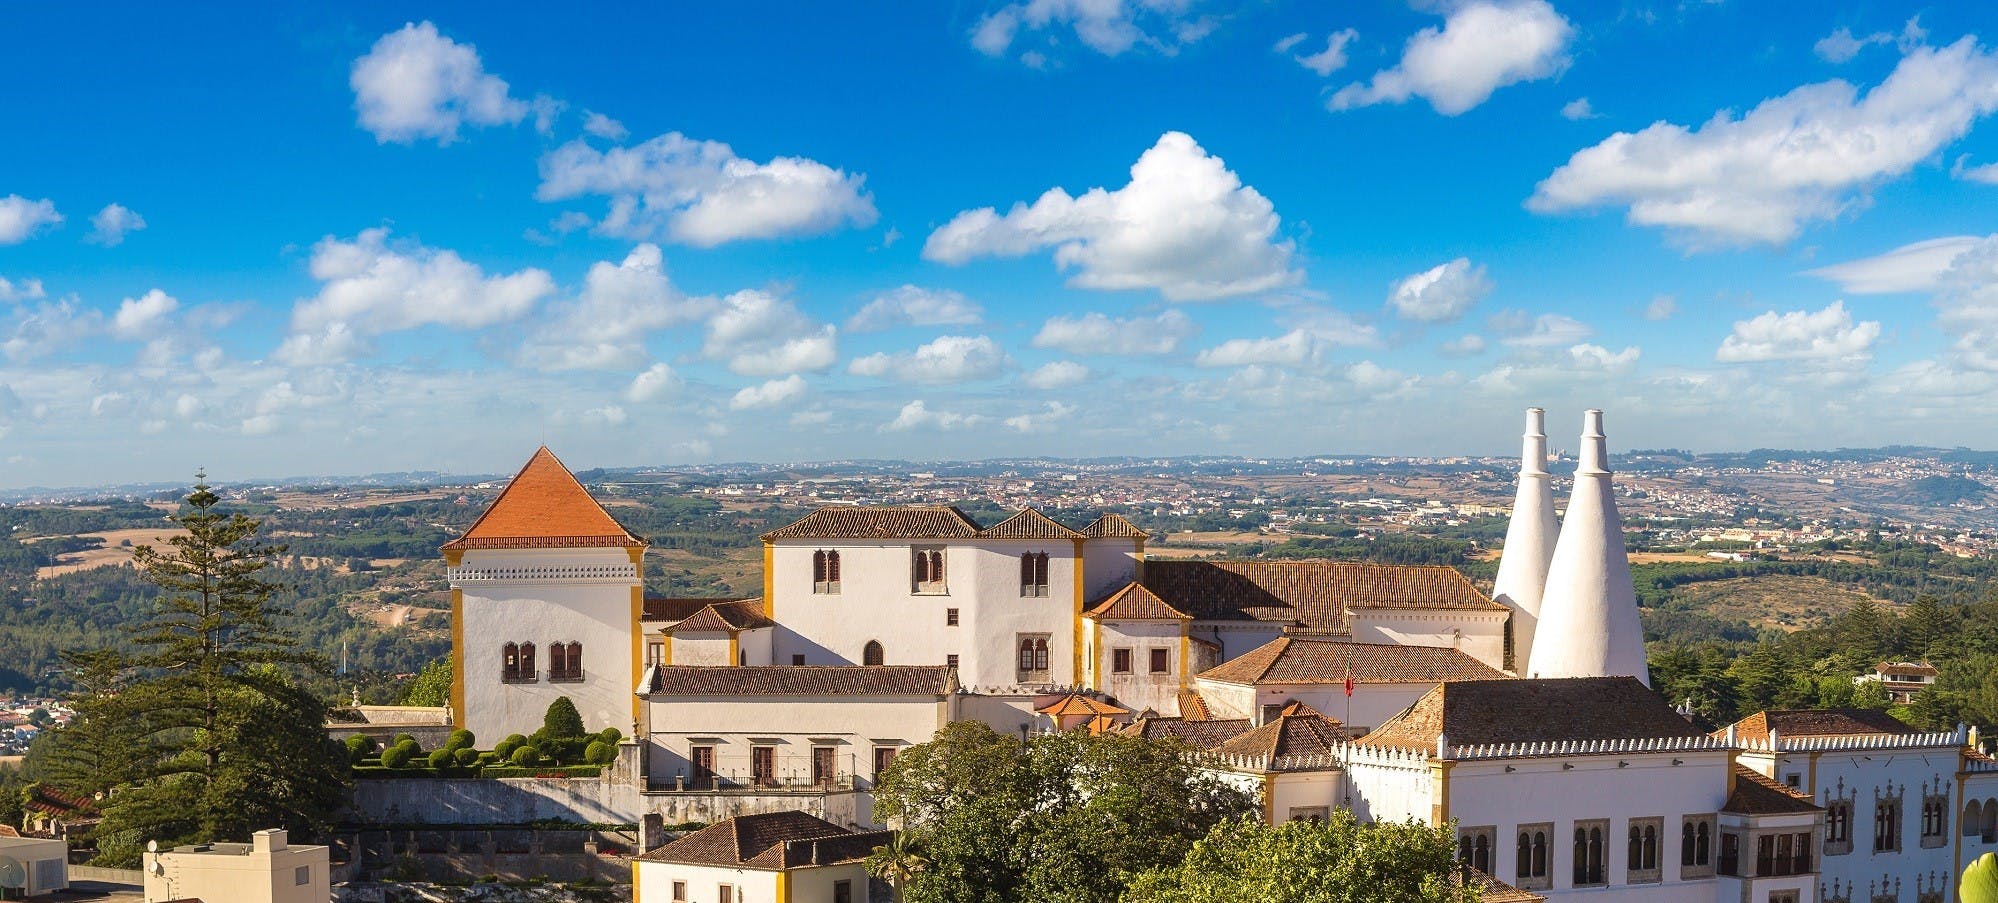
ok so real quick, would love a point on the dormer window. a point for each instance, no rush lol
(825, 572)
(926, 570)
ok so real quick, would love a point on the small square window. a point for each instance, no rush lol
(951, 660)
(950, 617)
(303, 876)
(797, 658)
(1120, 661)
(726, 895)
(679, 892)
(1160, 661)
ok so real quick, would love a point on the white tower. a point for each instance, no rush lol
(1529, 542)
(1588, 613)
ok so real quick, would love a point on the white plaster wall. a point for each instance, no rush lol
(1108, 565)
(794, 725)
(875, 602)
(1372, 703)
(815, 885)
(1235, 637)
(1391, 791)
(655, 882)
(1140, 689)
(1304, 789)
(1226, 700)
(753, 647)
(1480, 635)
(701, 648)
(1005, 714)
(267, 877)
(595, 611)
(1866, 771)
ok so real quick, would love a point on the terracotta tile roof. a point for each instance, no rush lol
(1495, 891)
(544, 507)
(1756, 794)
(834, 850)
(1923, 668)
(1202, 734)
(1114, 526)
(1817, 723)
(895, 522)
(804, 680)
(764, 840)
(660, 608)
(1322, 660)
(9, 831)
(1028, 524)
(1532, 710)
(1192, 707)
(1073, 704)
(1297, 731)
(725, 617)
(1135, 603)
(1314, 594)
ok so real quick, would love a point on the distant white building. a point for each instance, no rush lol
(775, 856)
(31, 867)
(268, 869)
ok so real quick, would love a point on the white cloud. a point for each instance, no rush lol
(914, 306)
(1441, 293)
(948, 359)
(1332, 58)
(772, 394)
(1095, 333)
(1795, 159)
(1967, 298)
(1986, 174)
(608, 415)
(1544, 331)
(1842, 45)
(110, 225)
(700, 193)
(144, 317)
(1286, 42)
(1109, 27)
(1578, 109)
(604, 127)
(1056, 375)
(760, 334)
(917, 415)
(1050, 414)
(1596, 357)
(656, 382)
(1661, 307)
(20, 218)
(415, 83)
(24, 290)
(1482, 47)
(1827, 336)
(1295, 348)
(1909, 268)
(605, 327)
(48, 327)
(1463, 345)
(368, 288)
(1185, 225)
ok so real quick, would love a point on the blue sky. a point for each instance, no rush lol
(341, 241)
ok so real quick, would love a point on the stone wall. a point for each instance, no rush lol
(492, 801)
(502, 854)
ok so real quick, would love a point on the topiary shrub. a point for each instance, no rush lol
(525, 755)
(467, 757)
(562, 719)
(359, 747)
(600, 753)
(610, 735)
(441, 759)
(398, 756)
(506, 747)
(400, 739)
(461, 739)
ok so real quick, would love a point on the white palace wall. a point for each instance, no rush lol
(545, 596)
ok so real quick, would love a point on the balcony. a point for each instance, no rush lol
(793, 773)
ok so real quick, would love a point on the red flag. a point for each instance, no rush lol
(1349, 683)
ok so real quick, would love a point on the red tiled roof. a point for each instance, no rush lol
(544, 506)
(895, 522)
(1192, 707)
(660, 608)
(1202, 734)
(1073, 704)
(1135, 603)
(1922, 668)
(1532, 710)
(1818, 723)
(1297, 731)
(804, 680)
(769, 841)
(1315, 594)
(1028, 524)
(1323, 660)
(724, 617)
(1114, 526)
(1494, 890)
(1756, 794)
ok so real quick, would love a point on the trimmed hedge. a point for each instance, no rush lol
(461, 739)
(566, 771)
(376, 772)
(600, 753)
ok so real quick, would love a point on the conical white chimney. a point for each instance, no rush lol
(1588, 612)
(1529, 541)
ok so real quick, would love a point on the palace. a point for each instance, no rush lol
(1523, 717)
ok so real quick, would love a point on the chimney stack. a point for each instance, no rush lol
(1529, 541)
(1588, 614)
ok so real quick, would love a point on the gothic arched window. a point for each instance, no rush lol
(825, 572)
(527, 661)
(510, 663)
(1034, 575)
(871, 654)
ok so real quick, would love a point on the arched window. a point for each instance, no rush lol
(1650, 847)
(825, 571)
(1481, 854)
(527, 661)
(1686, 844)
(1588, 855)
(1033, 657)
(926, 569)
(1539, 854)
(1990, 820)
(565, 661)
(871, 653)
(510, 664)
(1524, 867)
(1034, 575)
(1973, 817)
(1703, 848)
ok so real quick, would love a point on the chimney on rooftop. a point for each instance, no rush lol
(1588, 613)
(1529, 541)
(270, 840)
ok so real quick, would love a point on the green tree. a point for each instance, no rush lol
(431, 686)
(562, 721)
(1059, 817)
(1871, 694)
(897, 862)
(219, 737)
(1339, 861)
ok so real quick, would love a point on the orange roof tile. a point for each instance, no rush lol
(545, 507)
(1135, 603)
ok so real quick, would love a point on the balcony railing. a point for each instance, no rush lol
(792, 773)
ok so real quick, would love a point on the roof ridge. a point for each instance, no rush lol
(568, 496)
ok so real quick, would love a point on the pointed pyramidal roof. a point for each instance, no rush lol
(544, 507)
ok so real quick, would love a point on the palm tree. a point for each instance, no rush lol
(897, 862)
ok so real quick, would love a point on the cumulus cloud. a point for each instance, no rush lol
(1056, 375)
(914, 306)
(1109, 27)
(761, 334)
(772, 394)
(700, 193)
(604, 328)
(144, 317)
(416, 83)
(1041, 421)
(1827, 336)
(1463, 346)
(369, 288)
(1095, 333)
(21, 218)
(1578, 109)
(47, 327)
(1987, 174)
(1184, 225)
(1909, 268)
(1313, 335)
(1800, 158)
(948, 359)
(110, 225)
(608, 415)
(1596, 357)
(916, 415)
(24, 290)
(1842, 45)
(1327, 61)
(604, 127)
(1519, 330)
(1967, 299)
(1481, 47)
(654, 383)
(1661, 307)
(1441, 293)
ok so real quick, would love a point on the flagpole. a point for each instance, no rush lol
(1346, 748)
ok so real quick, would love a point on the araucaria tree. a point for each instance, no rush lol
(1064, 817)
(199, 731)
